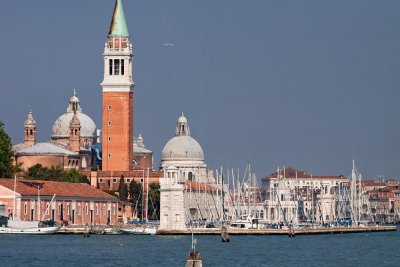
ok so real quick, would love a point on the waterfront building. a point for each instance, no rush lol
(294, 195)
(381, 201)
(73, 203)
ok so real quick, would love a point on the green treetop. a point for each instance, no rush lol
(7, 168)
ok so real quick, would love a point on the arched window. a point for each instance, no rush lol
(110, 67)
(31, 132)
(122, 67)
(190, 176)
(116, 66)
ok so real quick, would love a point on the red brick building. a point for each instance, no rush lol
(73, 204)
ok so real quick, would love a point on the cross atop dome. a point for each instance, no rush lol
(118, 26)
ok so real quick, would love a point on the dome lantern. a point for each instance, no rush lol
(182, 127)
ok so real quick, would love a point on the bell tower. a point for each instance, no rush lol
(75, 133)
(30, 130)
(117, 143)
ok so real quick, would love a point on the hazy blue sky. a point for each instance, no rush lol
(307, 84)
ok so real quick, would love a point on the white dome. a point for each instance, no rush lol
(182, 147)
(61, 126)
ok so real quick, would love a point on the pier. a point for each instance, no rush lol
(234, 231)
(297, 231)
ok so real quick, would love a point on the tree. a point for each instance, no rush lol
(123, 189)
(7, 168)
(154, 201)
(136, 195)
(38, 172)
(55, 174)
(74, 176)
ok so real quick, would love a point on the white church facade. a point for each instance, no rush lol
(188, 190)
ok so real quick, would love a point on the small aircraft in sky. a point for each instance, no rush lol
(167, 44)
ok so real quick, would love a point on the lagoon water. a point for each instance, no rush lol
(364, 249)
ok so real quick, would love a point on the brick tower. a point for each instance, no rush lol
(117, 143)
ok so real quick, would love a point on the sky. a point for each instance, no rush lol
(307, 84)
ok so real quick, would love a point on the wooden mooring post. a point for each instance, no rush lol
(224, 234)
(291, 232)
(194, 257)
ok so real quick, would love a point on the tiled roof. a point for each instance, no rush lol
(291, 173)
(200, 186)
(61, 189)
(372, 183)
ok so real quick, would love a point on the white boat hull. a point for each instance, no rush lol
(139, 231)
(30, 231)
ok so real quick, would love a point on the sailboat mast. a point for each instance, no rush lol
(223, 197)
(147, 195)
(38, 187)
(15, 188)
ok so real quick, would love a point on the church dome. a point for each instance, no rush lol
(61, 125)
(182, 146)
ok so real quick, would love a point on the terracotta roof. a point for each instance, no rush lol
(61, 189)
(200, 186)
(291, 173)
(372, 183)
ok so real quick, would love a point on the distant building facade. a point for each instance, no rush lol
(294, 195)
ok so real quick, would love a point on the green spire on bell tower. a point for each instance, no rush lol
(118, 26)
